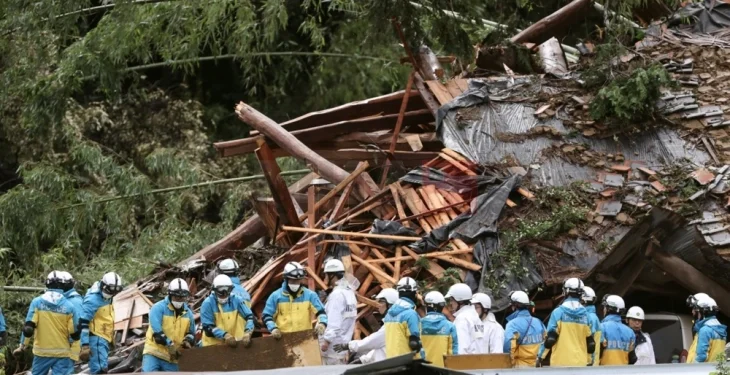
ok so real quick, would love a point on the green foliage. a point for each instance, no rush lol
(632, 98)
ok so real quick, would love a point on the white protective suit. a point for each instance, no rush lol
(493, 339)
(645, 352)
(373, 346)
(469, 331)
(341, 310)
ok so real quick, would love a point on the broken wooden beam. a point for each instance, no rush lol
(396, 131)
(284, 203)
(553, 25)
(349, 234)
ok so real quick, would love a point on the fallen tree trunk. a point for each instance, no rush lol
(553, 25)
(298, 149)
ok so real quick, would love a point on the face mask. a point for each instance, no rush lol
(222, 301)
(106, 296)
(178, 305)
(294, 287)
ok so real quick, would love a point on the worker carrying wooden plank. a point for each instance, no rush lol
(288, 308)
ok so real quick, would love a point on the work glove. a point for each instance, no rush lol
(276, 333)
(230, 340)
(174, 352)
(85, 353)
(341, 348)
(186, 345)
(246, 340)
(18, 352)
(319, 329)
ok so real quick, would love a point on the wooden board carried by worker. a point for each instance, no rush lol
(293, 350)
(477, 361)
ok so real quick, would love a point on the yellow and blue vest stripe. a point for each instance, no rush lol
(595, 357)
(401, 324)
(711, 339)
(175, 327)
(523, 337)
(97, 317)
(570, 322)
(439, 338)
(55, 320)
(617, 341)
(76, 299)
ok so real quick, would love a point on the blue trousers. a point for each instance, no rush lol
(99, 360)
(151, 363)
(59, 366)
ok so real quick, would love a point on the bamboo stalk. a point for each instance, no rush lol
(350, 234)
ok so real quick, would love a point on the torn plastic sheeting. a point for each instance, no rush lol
(393, 228)
(458, 184)
(708, 16)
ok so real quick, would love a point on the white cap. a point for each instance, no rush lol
(434, 298)
(635, 312)
(334, 266)
(407, 284)
(482, 299)
(519, 297)
(589, 295)
(460, 292)
(390, 295)
(222, 281)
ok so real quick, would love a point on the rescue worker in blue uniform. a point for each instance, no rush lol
(97, 322)
(225, 318)
(437, 332)
(51, 322)
(711, 335)
(68, 286)
(288, 309)
(402, 323)
(172, 327)
(569, 333)
(524, 334)
(588, 300)
(618, 340)
(229, 267)
(3, 342)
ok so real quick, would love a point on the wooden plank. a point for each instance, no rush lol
(441, 201)
(129, 321)
(266, 209)
(440, 216)
(396, 131)
(440, 92)
(462, 83)
(434, 268)
(419, 207)
(366, 284)
(399, 205)
(379, 274)
(367, 301)
(311, 220)
(380, 255)
(339, 187)
(396, 272)
(477, 361)
(358, 243)
(326, 132)
(262, 286)
(458, 164)
(426, 95)
(433, 254)
(350, 234)
(282, 197)
(413, 207)
(292, 350)
(314, 278)
(453, 88)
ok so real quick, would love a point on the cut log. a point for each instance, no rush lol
(287, 141)
(554, 25)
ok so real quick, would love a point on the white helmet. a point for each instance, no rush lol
(693, 299)
(459, 292)
(482, 299)
(222, 281)
(66, 280)
(54, 280)
(635, 312)
(614, 303)
(589, 295)
(228, 267)
(390, 295)
(334, 266)
(294, 270)
(178, 288)
(111, 284)
(706, 303)
(573, 286)
(519, 297)
(407, 284)
(434, 298)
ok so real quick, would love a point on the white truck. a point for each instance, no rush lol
(671, 336)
